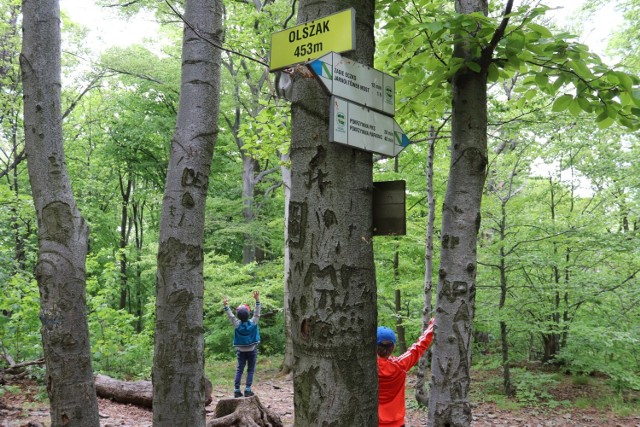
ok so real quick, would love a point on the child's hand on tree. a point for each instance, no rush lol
(256, 295)
(225, 301)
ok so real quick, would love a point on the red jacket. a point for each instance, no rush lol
(392, 375)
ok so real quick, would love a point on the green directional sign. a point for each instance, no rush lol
(366, 129)
(356, 82)
(313, 39)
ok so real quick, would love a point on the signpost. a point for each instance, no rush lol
(362, 101)
(313, 39)
(356, 82)
(357, 126)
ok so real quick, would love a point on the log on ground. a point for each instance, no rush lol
(243, 412)
(139, 393)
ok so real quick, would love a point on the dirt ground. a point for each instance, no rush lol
(22, 409)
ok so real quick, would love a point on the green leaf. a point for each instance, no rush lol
(636, 96)
(543, 31)
(473, 66)
(562, 103)
(580, 68)
(395, 9)
(493, 73)
(574, 108)
(603, 124)
(585, 104)
(542, 80)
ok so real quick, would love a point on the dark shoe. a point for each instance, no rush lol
(237, 394)
(248, 393)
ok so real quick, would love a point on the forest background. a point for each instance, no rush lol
(558, 247)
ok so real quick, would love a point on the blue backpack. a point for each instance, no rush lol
(246, 333)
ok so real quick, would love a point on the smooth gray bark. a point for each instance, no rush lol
(451, 361)
(287, 362)
(421, 391)
(332, 288)
(178, 366)
(62, 232)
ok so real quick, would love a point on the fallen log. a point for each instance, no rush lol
(139, 393)
(243, 412)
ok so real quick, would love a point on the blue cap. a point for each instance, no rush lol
(385, 334)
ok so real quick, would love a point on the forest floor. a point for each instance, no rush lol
(20, 406)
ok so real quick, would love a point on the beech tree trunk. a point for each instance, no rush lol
(332, 288)
(178, 365)
(62, 232)
(451, 361)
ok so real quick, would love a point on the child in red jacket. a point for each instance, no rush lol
(392, 374)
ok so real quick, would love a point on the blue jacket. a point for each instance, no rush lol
(247, 333)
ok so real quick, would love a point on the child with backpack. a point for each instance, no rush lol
(246, 338)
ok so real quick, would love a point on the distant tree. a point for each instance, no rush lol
(62, 232)
(421, 392)
(178, 366)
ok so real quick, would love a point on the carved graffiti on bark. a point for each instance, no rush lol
(329, 218)
(453, 290)
(187, 200)
(450, 242)
(314, 173)
(191, 178)
(333, 301)
(297, 223)
(57, 222)
(317, 177)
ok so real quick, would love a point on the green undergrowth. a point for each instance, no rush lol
(546, 388)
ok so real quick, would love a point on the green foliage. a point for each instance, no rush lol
(225, 278)
(547, 61)
(532, 388)
(597, 348)
(19, 320)
(117, 349)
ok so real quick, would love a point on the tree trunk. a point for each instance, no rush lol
(125, 193)
(62, 232)
(401, 342)
(178, 365)
(421, 391)
(287, 363)
(137, 210)
(250, 168)
(332, 289)
(451, 362)
(506, 363)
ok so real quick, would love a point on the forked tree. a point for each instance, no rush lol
(62, 231)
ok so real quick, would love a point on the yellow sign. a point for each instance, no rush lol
(313, 39)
